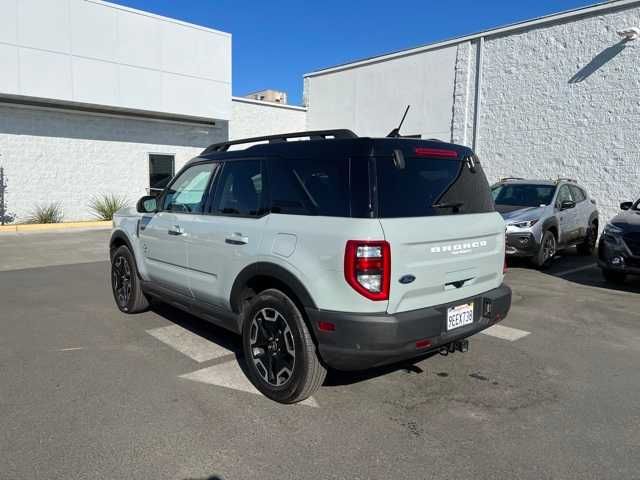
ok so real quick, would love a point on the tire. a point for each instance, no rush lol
(547, 250)
(589, 245)
(125, 282)
(614, 277)
(280, 355)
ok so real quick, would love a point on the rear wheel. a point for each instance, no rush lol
(589, 245)
(125, 283)
(614, 277)
(280, 354)
(548, 249)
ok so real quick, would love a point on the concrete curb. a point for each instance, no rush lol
(42, 227)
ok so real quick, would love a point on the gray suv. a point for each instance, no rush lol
(545, 216)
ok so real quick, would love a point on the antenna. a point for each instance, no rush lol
(395, 133)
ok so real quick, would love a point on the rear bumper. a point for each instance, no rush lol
(362, 341)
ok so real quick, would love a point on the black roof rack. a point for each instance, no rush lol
(313, 135)
(565, 179)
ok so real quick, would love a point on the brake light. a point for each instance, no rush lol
(367, 268)
(435, 152)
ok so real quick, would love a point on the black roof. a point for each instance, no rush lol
(325, 142)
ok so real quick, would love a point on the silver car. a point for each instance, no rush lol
(545, 216)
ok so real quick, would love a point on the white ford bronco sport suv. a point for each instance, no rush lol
(336, 251)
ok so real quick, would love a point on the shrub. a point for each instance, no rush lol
(51, 213)
(104, 206)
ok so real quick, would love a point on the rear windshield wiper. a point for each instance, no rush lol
(454, 205)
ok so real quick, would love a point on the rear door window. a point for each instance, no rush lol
(578, 194)
(239, 189)
(429, 187)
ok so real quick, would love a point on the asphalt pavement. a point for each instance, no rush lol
(87, 392)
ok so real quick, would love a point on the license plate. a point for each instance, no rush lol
(459, 316)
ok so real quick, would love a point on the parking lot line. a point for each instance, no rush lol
(230, 375)
(575, 270)
(505, 333)
(188, 343)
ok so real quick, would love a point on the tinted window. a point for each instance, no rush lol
(186, 193)
(239, 189)
(578, 194)
(427, 187)
(523, 195)
(311, 186)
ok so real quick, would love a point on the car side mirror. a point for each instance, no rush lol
(147, 204)
(567, 204)
(626, 205)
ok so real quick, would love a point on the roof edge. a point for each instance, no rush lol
(269, 104)
(567, 14)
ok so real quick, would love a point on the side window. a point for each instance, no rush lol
(310, 186)
(578, 194)
(239, 190)
(187, 193)
(563, 195)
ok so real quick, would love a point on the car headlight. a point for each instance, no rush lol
(527, 224)
(611, 229)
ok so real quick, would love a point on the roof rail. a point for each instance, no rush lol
(510, 178)
(564, 179)
(313, 135)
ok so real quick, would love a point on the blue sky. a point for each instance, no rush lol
(275, 43)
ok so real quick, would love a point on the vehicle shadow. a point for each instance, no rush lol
(233, 342)
(573, 267)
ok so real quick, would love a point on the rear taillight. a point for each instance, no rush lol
(367, 268)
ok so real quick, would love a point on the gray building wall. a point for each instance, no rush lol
(558, 96)
(253, 118)
(69, 157)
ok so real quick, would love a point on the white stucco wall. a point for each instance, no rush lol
(252, 118)
(54, 156)
(564, 100)
(370, 99)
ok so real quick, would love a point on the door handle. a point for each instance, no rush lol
(237, 239)
(176, 230)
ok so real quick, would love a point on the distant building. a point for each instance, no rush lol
(273, 96)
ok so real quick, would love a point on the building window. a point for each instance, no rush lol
(161, 171)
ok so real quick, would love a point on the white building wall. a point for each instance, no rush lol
(370, 99)
(252, 118)
(564, 100)
(94, 52)
(69, 157)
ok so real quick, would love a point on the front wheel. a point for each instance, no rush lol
(548, 249)
(125, 283)
(279, 352)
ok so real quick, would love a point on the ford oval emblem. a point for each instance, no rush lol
(407, 279)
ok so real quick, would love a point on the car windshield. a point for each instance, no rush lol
(523, 194)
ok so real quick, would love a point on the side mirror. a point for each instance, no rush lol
(567, 204)
(147, 204)
(626, 205)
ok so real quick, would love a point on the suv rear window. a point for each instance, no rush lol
(429, 187)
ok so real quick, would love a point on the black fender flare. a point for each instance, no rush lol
(266, 269)
(594, 217)
(551, 222)
(117, 237)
